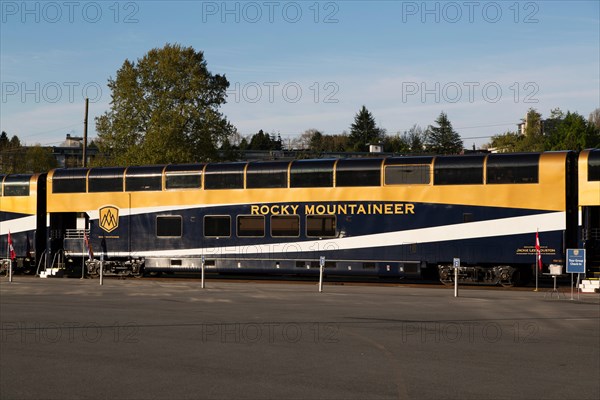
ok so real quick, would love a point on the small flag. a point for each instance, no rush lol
(538, 250)
(89, 247)
(11, 249)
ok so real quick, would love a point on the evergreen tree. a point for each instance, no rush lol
(364, 131)
(442, 139)
(4, 140)
(264, 141)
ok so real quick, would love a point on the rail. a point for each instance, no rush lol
(77, 233)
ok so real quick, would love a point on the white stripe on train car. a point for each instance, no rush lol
(473, 230)
(17, 225)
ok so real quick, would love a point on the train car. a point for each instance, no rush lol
(589, 203)
(388, 217)
(22, 215)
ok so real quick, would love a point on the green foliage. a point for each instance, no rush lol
(264, 141)
(4, 140)
(508, 142)
(364, 131)
(164, 109)
(573, 132)
(17, 159)
(12, 155)
(442, 139)
(39, 159)
(560, 131)
(533, 140)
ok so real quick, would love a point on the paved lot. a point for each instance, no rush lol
(140, 339)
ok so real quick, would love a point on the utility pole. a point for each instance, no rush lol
(85, 126)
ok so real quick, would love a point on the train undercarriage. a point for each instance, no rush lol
(504, 275)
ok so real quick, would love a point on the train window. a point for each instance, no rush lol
(407, 170)
(285, 226)
(594, 166)
(312, 173)
(217, 226)
(147, 178)
(184, 176)
(69, 180)
(512, 168)
(1, 181)
(106, 179)
(407, 174)
(320, 225)
(251, 226)
(272, 174)
(358, 172)
(224, 176)
(169, 226)
(16, 185)
(458, 170)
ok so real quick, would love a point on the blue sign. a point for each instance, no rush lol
(576, 261)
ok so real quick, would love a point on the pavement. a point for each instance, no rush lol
(171, 339)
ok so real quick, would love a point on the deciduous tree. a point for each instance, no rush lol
(164, 109)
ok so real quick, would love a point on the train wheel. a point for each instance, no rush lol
(446, 276)
(508, 279)
(507, 283)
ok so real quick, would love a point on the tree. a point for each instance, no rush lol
(264, 141)
(416, 139)
(396, 144)
(3, 140)
(507, 142)
(594, 118)
(304, 141)
(316, 142)
(573, 132)
(39, 159)
(364, 131)
(12, 155)
(164, 109)
(534, 140)
(442, 139)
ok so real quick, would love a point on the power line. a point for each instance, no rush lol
(50, 131)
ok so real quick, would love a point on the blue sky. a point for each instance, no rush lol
(299, 65)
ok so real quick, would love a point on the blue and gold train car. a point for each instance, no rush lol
(387, 217)
(22, 214)
(589, 202)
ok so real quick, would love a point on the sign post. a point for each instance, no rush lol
(101, 267)
(456, 263)
(321, 268)
(575, 265)
(202, 271)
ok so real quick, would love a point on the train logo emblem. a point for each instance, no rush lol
(109, 218)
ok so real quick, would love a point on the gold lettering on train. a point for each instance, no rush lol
(331, 209)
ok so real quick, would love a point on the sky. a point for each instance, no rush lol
(299, 65)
